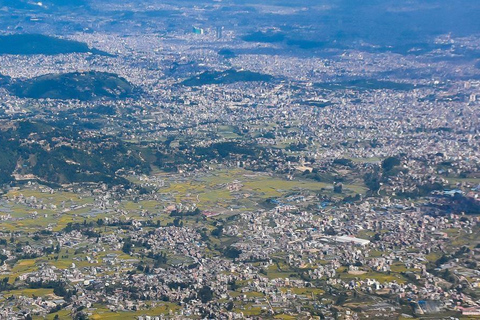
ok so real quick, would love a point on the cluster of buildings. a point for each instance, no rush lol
(409, 244)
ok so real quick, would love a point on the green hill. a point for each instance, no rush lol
(42, 44)
(225, 77)
(84, 86)
(4, 80)
(46, 4)
(82, 159)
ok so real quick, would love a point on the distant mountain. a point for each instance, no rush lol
(83, 86)
(225, 77)
(65, 2)
(265, 37)
(4, 80)
(42, 44)
(44, 4)
(227, 53)
(366, 84)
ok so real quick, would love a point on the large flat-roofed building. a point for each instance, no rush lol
(347, 239)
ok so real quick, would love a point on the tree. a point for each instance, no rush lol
(337, 188)
(205, 294)
(342, 298)
(229, 306)
(80, 316)
(232, 252)
(442, 260)
(217, 232)
(372, 179)
(3, 258)
(389, 163)
(127, 246)
(330, 232)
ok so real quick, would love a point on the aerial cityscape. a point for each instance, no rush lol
(227, 159)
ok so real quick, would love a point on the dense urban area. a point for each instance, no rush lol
(239, 160)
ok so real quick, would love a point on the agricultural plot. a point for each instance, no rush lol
(240, 190)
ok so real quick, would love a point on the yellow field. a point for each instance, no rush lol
(22, 267)
(30, 292)
(105, 314)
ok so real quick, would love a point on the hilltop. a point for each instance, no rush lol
(84, 86)
(26, 44)
(225, 77)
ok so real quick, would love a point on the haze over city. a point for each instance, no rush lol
(233, 159)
